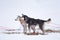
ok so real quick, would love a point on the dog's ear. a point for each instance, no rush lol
(22, 14)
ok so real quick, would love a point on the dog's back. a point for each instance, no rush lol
(33, 21)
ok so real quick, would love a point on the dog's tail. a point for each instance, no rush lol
(48, 20)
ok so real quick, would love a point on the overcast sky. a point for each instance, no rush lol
(42, 9)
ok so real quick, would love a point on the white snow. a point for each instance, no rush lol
(49, 36)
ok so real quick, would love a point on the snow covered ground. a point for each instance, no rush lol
(50, 36)
(21, 36)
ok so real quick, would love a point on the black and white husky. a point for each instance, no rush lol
(32, 21)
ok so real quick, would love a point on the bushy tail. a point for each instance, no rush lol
(48, 20)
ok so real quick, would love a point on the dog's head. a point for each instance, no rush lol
(18, 18)
(25, 17)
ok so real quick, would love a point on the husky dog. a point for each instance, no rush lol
(32, 21)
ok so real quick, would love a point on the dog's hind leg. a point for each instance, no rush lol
(41, 27)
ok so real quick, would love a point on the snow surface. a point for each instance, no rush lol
(49, 36)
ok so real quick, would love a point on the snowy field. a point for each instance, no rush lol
(50, 36)
(21, 36)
